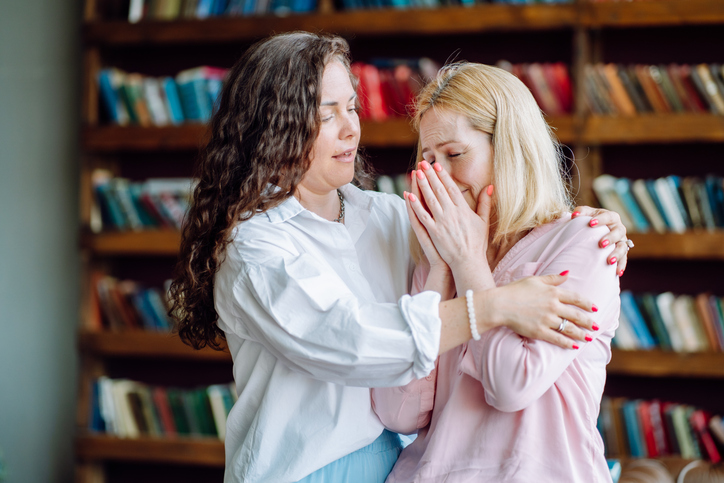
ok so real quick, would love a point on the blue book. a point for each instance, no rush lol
(193, 93)
(614, 467)
(249, 8)
(175, 111)
(623, 189)
(716, 198)
(108, 199)
(648, 302)
(96, 421)
(109, 95)
(655, 197)
(675, 184)
(203, 9)
(633, 315)
(219, 7)
(634, 434)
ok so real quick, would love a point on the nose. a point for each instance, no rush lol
(350, 126)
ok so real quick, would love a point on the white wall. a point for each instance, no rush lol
(39, 264)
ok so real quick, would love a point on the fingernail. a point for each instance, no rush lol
(564, 273)
(404, 194)
(425, 165)
(588, 338)
(612, 261)
(620, 274)
(575, 214)
(594, 327)
(593, 222)
(437, 167)
(575, 347)
(420, 175)
(594, 308)
(412, 197)
(490, 190)
(604, 243)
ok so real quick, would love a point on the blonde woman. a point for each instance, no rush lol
(489, 203)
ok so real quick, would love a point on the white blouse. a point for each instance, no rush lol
(315, 313)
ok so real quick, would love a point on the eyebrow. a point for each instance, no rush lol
(334, 103)
(441, 143)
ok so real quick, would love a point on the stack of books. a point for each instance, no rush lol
(123, 205)
(667, 204)
(550, 84)
(130, 409)
(650, 429)
(615, 89)
(201, 9)
(131, 98)
(681, 323)
(118, 305)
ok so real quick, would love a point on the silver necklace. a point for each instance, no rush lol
(341, 207)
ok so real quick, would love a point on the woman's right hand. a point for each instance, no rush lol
(534, 307)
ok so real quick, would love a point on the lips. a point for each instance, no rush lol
(346, 156)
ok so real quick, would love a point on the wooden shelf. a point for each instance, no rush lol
(693, 245)
(652, 14)
(392, 133)
(182, 451)
(145, 344)
(150, 242)
(447, 20)
(657, 363)
(668, 128)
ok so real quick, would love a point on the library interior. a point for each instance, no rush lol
(104, 110)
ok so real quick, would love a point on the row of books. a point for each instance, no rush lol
(130, 409)
(667, 204)
(550, 84)
(132, 98)
(139, 10)
(681, 323)
(615, 89)
(387, 87)
(650, 429)
(118, 305)
(121, 204)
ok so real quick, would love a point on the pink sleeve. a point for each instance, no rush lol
(516, 371)
(407, 408)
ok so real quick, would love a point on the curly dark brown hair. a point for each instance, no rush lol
(262, 133)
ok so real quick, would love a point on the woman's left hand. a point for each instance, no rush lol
(617, 235)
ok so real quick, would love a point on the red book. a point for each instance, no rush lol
(647, 429)
(692, 92)
(560, 82)
(657, 423)
(362, 96)
(160, 399)
(371, 77)
(699, 421)
(390, 99)
(403, 77)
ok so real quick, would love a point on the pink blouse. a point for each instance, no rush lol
(507, 408)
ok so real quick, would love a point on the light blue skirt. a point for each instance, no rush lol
(370, 464)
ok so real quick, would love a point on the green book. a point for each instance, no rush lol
(180, 419)
(648, 303)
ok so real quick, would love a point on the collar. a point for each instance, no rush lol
(291, 207)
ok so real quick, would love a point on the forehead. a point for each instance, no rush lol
(336, 82)
(438, 125)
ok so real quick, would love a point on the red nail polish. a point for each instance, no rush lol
(420, 174)
(594, 327)
(620, 274)
(404, 194)
(604, 243)
(575, 347)
(594, 308)
(425, 165)
(412, 197)
(612, 261)
(564, 273)
(588, 338)
(575, 214)
(593, 222)
(490, 190)
(437, 167)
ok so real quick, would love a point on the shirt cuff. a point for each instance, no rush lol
(422, 314)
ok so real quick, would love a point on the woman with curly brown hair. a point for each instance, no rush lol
(306, 276)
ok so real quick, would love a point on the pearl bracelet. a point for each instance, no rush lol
(471, 315)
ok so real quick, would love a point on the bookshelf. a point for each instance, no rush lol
(576, 33)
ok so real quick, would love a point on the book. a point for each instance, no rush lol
(604, 188)
(646, 203)
(622, 186)
(699, 423)
(634, 435)
(709, 88)
(633, 315)
(647, 429)
(691, 203)
(703, 311)
(666, 196)
(654, 96)
(648, 301)
(633, 89)
(619, 95)
(684, 313)
(664, 302)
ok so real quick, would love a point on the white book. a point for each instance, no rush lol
(684, 311)
(603, 186)
(106, 405)
(666, 197)
(153, 93)
(625, 338)
(664, 302)
(218, 410)
(648, 206)
(127, 427)
(135, 11)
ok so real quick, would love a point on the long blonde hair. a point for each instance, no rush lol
(529, 181)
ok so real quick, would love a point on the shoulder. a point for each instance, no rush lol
(258, 239)
(569, 231)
